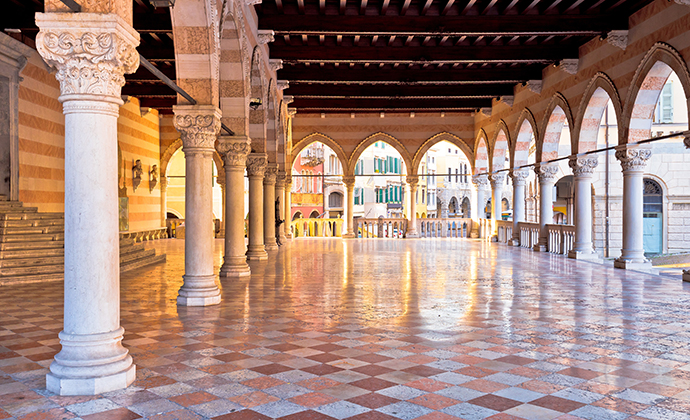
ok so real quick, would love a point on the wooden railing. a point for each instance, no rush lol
(381, 228)
(505, 231)
(561, 238)
(444, 228)
(529, 234)
(322, 228)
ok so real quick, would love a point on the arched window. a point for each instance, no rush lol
(653, 222)
(335, 200)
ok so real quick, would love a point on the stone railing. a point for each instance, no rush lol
(529, 234)
(145, 235)
(381, 228)
(444, 228)
(485, 228)
(172, 225)
(322, 228)
(505, 231)
(561, 238)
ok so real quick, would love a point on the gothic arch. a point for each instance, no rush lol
(557, 113)
(177, 145)
(650, 76)
(318, 137)
(499, 147)
(585, 132)
(388, 139)
(437, 138)
(526, 128)
(481, 153)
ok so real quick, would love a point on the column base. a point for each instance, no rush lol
(288, 236)
(514, 242)
(236, 270)
(540, 248)
(91, 386)
(199, 291)
(583, 255)
(686, 275)
(349, 236)
(412, 235)
(633, 264)
(257, 253)
(271, 245)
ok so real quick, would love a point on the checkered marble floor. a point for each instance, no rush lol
(376, 329)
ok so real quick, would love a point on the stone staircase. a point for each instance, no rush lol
(32, 246)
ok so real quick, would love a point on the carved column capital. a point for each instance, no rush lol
(633, 158)
(519, 177)
(349, 181)
(481, 181)
(413, 181)
(280, 179)
(270, 174)
(91, 52)
(235, 150)
(547, 174)
(497, 178)
(256, 164)
(583, 166)
(198, 125)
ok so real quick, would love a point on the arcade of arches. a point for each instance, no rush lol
(117, 103)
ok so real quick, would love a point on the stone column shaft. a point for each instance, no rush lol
(288, 206)
(633, 160)
(547, 178)
(270, 242)
(235, 150)
(497, 183)
(256, 166)
(164, 201)
(480, 182)
(349, 182)
(519, 182)
(412, 181)
(280, 196)
(91, 53)
(583, 168)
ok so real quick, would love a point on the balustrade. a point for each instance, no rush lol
(561, 238)
(323, 228)
(381, 228)
(505, 230)
(444, 228)
(529, 234)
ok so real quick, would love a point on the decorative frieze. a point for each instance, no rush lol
(633, 158)
(198, 125)
(234, 149)
(256, 164)
(547, 174)
(583, 166)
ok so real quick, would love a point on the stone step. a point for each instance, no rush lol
(32, 260)
(32, 216)
(143, 262)
(48, 237)
(131, 256)
(131, 249)
(32, 223)
(17, 210)
(10, 246)
(4, 197)
(32, 253)
(31, 270)
(34, 278)
(32, 230)
(10, 204)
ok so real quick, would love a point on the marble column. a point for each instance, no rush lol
(519, 182)
(583, 169)
(256, 167)
(280, 211)
(164, 201)
(480, 182)
(498, 180)
(349, 182)
(270, 242)
(547, 178)
(221, 228)
(199, 126)
(91, 52)
(235, 150)
(413, 182)
(633, 160)
(288, 206)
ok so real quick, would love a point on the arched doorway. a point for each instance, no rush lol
(465, 208)
(453, 207)
(653, 222)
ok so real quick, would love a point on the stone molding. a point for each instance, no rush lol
(480, 181)
(508, 100)
(270, 174)
(547, 174)
(234, 149)
(519, 177)
(349, 181)
(282, 84)
(265, 36)
(535, 85)
(198, 125)
(275, 64)
(288, 99)
(252, 2)
(91, 52)
(256, 164)
(497, 178)
(633, 158)
(618, 38)
(569, 65)
(583, 166)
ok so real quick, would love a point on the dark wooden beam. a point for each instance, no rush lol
(403, 75)
(391, 103)
(494, 90)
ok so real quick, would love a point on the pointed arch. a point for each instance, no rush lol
(235, 61)
(481, 153)
(167, 155)
(258, 90)
(645, 88)
(557, 114)
(526, 129)
(600, 90)
(271, 126)
(380, 136)
(499, 146)
(322, 138)
(435, 139)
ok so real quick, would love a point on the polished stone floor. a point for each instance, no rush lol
(376, 329)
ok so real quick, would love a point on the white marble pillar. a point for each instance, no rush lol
(256, 167)
(413, 182)
(199, 126)
(583, 169)
(519, 182)
(547, 178)
(349, 182)
(498, 180)
(280, 211)
(235, 150)
(164, 200)
(633, 160)
(480, 182)
(288, 206)
(91, 53)
(221, 184)
(270, 242)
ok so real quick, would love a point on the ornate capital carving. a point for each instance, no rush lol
(288, 180)
(583, 166)
(275, 64)
(349, 181)
(256, 164)
(91, 52)
(280, 179)
(618, 38)
(569, 65)
(633, 158)
(270, 174)
(288, 99)
(282, 84)
(198, 125)
(264, 36)
(481, 181)
(497, 178)
(519, 177)
(412, 180)
(686, 140)
(547, 174)
(235, 150)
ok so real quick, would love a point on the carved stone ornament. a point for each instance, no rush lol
(256, 164)
(535, 85)
(292, 112)
(583, 166)
(198, 125)
(270, 174)
(546, 173)
(282, 84)
(265, 36)
(91, 52)
(497, 178)
(618, 39)
(633, 159)
(288, 181)
(275, 64)
(137, 172)
(288, 99)
(280, 179)
(519, 177)
(234, 149)
(252, 2)
(480, 181)
(686, 140)
(412, 181)
(569, 65)
(349, 181)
